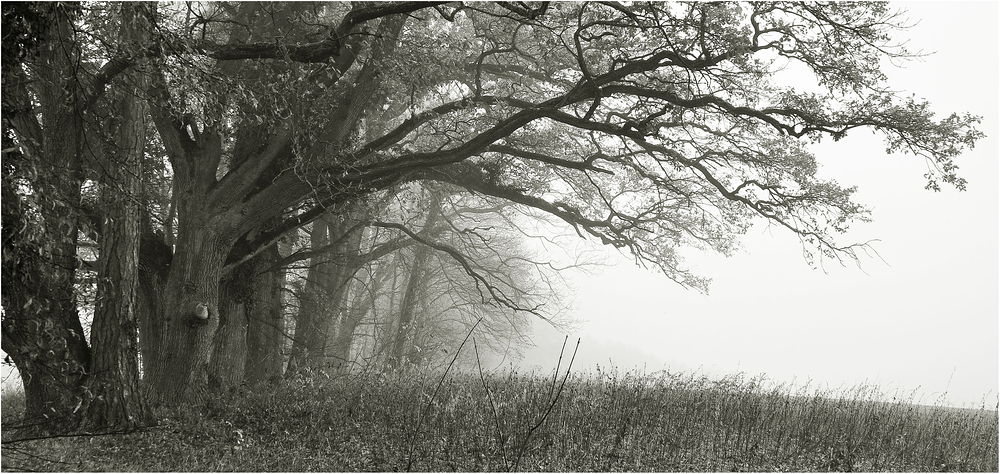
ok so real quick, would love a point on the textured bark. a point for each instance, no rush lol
(117, 402)
(247, 344)
(207, 228)
(179, 370)
(154, 266)
(229, 346)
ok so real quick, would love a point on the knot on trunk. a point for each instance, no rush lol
(200, 314)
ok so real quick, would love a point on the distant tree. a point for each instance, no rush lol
(327, 280)
(415, 282)
(648, 127)
(468, 268)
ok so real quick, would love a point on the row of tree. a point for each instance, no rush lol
(269, 187)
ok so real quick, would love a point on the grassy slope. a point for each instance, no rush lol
(600, 422)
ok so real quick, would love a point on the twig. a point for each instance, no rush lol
(496, 416)
(555, 375)
(35, 456)
(423, 413)
(552, 404)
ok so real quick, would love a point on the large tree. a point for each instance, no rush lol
(44, 98)
(646, 126)
(63, 131)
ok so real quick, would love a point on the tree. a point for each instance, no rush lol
(415, 280)
(467, 270)
(648, 127)
(114, 399)
(62, 132)
(43, 174)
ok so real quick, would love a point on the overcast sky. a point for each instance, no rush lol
(926, 320)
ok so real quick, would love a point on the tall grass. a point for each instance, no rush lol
(601, 421)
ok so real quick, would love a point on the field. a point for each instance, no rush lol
(598, 421)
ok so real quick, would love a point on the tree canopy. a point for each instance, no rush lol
(650, 127)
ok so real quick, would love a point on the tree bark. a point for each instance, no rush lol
(154, 267)
(117, 402)
(229, 346)
(247, 345)
(347, 262)
(178, 371)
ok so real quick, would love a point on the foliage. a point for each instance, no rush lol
(649, 127)
(603, 421)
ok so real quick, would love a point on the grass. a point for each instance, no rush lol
(600, 421)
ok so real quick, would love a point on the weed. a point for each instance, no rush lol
(603, 420)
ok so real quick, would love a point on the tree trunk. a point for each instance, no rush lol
(420, 341)
(247, 345)
(42, 333)
(310, 325)
(178, 371)
(340, 350)
(266, 331)
(407, 308)
(207, 228)
(323, 299)
(364, 296)
(154, 269)
(117, 402)
(229, 348)
(345, 266)
(41, 328)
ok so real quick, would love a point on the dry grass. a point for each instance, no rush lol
(601, 421)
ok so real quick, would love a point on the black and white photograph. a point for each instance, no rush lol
(566, 236)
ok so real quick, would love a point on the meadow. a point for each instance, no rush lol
(510, 421)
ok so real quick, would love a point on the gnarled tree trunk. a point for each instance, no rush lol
(180, 367)
(247, 344)
(229, 346)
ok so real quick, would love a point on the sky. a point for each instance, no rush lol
(922, 324)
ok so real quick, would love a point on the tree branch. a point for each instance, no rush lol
(495, 293)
